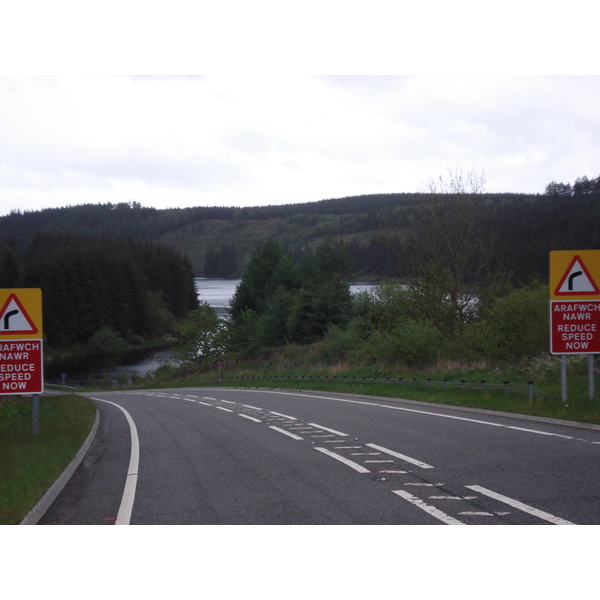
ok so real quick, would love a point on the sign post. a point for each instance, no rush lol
(21, 346)
(575, 308)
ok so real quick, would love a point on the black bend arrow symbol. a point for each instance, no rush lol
(7, 316)
(571, 277)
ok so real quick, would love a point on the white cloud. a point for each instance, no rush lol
(252, 140)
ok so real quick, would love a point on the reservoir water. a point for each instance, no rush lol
(216, 292)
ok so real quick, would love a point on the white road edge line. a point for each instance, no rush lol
(413, 461)
(519, 505)
(432, 510)
(295, 437)
(344, 460)
(126, 507)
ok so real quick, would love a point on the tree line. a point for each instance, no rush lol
(220, 241)
(122, 289)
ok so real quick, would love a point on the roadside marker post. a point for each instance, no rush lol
(575, 309)
(21, 347)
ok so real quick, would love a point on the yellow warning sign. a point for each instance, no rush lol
(21, 314)
(575, 275)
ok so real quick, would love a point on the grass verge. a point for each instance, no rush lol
(31, 464)
(578, 408)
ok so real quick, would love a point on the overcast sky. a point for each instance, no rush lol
(273, 135)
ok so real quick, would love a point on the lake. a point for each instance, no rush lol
(216, 292)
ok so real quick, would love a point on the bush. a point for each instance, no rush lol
(106, 341)
(414, 344)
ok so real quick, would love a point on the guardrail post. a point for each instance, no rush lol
(445, 384)
(462, 384)
(506, 388)
(483, 385)
(530, 393)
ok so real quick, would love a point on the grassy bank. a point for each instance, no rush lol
(380, 381)
(31, 464)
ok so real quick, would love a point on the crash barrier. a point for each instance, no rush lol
(528, 389)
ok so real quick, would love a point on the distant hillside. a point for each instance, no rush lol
(220, 241)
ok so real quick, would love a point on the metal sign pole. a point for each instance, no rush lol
(35, 413)
(591, 375)
(563, 377)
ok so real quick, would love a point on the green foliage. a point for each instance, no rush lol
(203, 336)
(132, 288)
(9, 267)
(105, 341)
(521, 228)
(277, 302)
(413, 344)
(517, 325)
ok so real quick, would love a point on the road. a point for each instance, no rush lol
(233, 456)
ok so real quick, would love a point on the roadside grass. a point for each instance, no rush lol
(30, 464)
(254, 374)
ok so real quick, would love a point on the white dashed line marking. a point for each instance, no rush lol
(344, 460)
(328, 429)
(250, 418)
(413, 461)
(284, 416)
(293, 436)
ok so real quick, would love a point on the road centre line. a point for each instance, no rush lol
(204, 403)
(524, 507)
(292, 435)
(434, 512)
(250, 418)
(344, 460)
(252, 407)
(413, 461)
(223, 408)
(328, 429)
(453, 498)
(284, 416)
(126, 506)
(413, 410)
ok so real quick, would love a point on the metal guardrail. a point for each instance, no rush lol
(528, 389)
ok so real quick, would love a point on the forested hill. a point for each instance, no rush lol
(219, 241)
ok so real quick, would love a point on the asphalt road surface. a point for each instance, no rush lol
(234, 456)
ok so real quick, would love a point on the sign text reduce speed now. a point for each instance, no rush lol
(575, 327)
(21, 367)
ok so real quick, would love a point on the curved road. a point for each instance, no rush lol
(236, 456)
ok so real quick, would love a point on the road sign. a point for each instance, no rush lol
(21, 344)
(21, 314)
(575, 302)
(575, 275)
